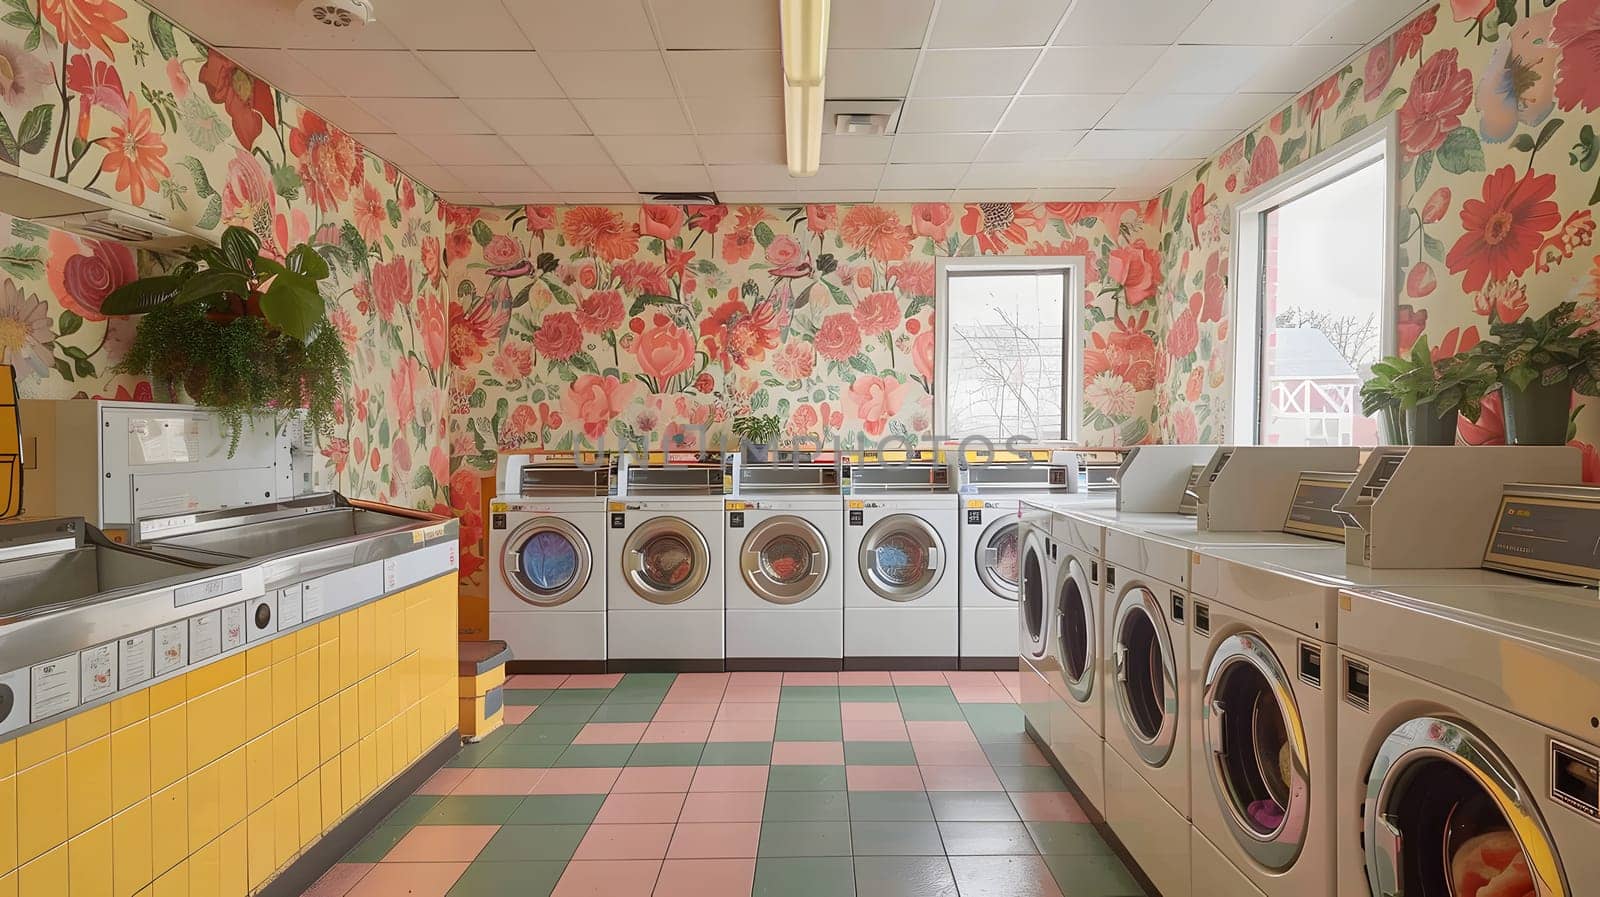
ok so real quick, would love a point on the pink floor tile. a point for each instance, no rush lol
(338, 880)
(499, 781)
(443, 782)
(971, 677)
(702, 678)
(714, 840)
(677, 733)
(808, 753)
(518, 714)
(441, 844)
(593, 680)
(950, 753)
(410, 879)
(608, 878)
(686, 713)
(1010, 679)
(864, 677)
(706, 878)
(723, 806)
(755, 678)
(739, 730)
(940, 731)
(883, 778)
(984, 696)
(917, 677)
(765, 711)
(1028, 755)
(577, 781)
(873, 710)
(746, 694)
(960, 778)
(639, 841)
(1048, 806)
(694, 695)
(645, 808)
(874, 730)
(540, 681)
(810, 678)
(730, 778)
(654, 780)
(610, 733)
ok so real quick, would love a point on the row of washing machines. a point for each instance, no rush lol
(1371, 698)
(808, 561)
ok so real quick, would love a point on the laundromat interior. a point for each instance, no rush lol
(853, 448)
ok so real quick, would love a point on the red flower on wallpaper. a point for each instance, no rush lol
(403, 392)
(1128, 352)
(328, 159)
(661, 222)
(1421, 281)
(539, 218)
(707, 218)
(1440, 91)
(83, 272)
(1196, 214)
(877, 230)
(738, 245)
(932, 220)
(663, 352)
(471, 332)
(96, 84)
(1410, 323)
(247, 99)
(922, 355)
(458, 227)
(1577, 32)
(913, 278)
(368, 213)
(875, 401)
(600, 312)
(1215, 287)
(998, 225)
(1504, 228)
(86, 23)
(601, 231)
(839, 337)
(1183, 336)
(737, 334)
(1408, 40)
(878, 313)
(1437, 206)
(435, 340)
(1379, 68)
(513, 361)
(1470, 10)
(1136, 269)
(1321, 98)
(391, 285)
(502, 250)
(134, 151)
(559, 336)
(1264, 164)
(822, 218)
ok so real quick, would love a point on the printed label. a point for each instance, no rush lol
(172, 647)
(55, 686)
(233, 627)
(99, 671)
(134, 664)
(289, 610)
(311, 601)
(205, 636)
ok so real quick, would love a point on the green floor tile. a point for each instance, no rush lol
(596, 755)
(1029, 778)
(376, 845)
(973, 806)
(805, 877)
(993, 717)
(806, 806)
(970, 839)
(896, 838)
(879, 753)
(826, 693)
(523, 756)
(1067, 838)
(519, 843)
(562, 713)
(809, 730)
(578, 696)
(499, 879)
(1093, 876)
(806, 778)
(621, 695)
(922, 694)
(808, 711)
(559, 735)
(737, 753)
(474, 810)
(864, 694)
(669, 755)
(475, 753)
(412, 809)
(930, 711)
(624, 713)
(888, 806)
(523, 697)
(662, 681)
(557, 809)
(1016, 753)
(805, 839)
(926, 876)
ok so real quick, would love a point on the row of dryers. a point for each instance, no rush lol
(802, 561)
(1259, 713)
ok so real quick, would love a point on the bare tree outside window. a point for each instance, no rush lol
(1355, 337)
(1007, 354)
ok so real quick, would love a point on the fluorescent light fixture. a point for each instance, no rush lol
(805, 65)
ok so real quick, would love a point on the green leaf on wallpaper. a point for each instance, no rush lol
(393, 208)
(1351, 91)
(1250, 145)
(1585, 151)
(28, 230)
(81, 365)
(1461, 151)
(64, 368)
(584, 363)
(918, 304)
(819, 395)
(1508, 11)
(1548, 131)
(1433, 246)
(197, 172)
(68, 323)
(1134, 431)
(764, 235)
(481, 233)
(1391, 102)
(564, 444)
(8, 143)
(286, 181)
(212, 215)
(1523, 143)
(1353, 126)
(560, 292)
(839, 297)
(1291, 149)
(1423, 168)
(18, 20)
(759, 400)
(161, 34)
(646, 300)
(862, 363)
(201, 123)
(35, 128)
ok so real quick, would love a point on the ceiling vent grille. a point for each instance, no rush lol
(681, 199)
(861, 118)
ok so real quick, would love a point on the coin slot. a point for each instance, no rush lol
(1575, 779)
(1311, 665)
(1357, 684)
(1202, 618)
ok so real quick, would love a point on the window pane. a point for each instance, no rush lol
(1321, 310)
(1006, 354)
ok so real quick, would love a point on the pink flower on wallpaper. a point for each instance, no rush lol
(400, 454)
(1195, 385)
(247, 195)
(1263, 164)
(600, 312)
(403, 392)
(86, 23)
(559, 337)
(803, 421)
(595, 401)
(875, 401)
(82, 273)
(664, 351)
(539, 219)
(913, 278)
(1184, 334)
(661, 222)
(1320, 98)
(878, 313)
(1381, 61)
(1470, 10)
(1185, 429)
(1591, 461)
(1518, 86)
(707, 218)
(738, 245)
(369, 213)
(999, 225)
(431, 321)
(600, 230)
(1411, 323)
(795, 361)
(1506, 301)
(522, 422)
(1490, 428)
(1408, 40)
(1421, 280)
(642, 276)
(877, 230)
(345, 327)
(822, 218)
(471, 332)
(502, 250)
(1440, 91)
(1111, 395)
(1197, 211)
(1577, 32)
(922, 354)
(736, 334)
(1128, 351)
(839, 337)
(391, 285)
(1136, 268)
(514, 361)
(784, 251)
(328, 159)
(1437, 206)
(932, 220)
(1215, 287)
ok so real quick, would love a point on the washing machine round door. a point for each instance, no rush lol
(1033, 589)
(784, 559)
(546, 561)
(999, 557)
(1075, 630)
(1448, 816)
(1146, 675)
(666, 560)
(1255, 745)
(901, 557)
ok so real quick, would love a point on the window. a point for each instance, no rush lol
(1313, 265)
(1007, 344)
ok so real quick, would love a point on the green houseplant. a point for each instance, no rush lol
(758, 433)
(239, 331)
(1431, 396)
(1540, 362)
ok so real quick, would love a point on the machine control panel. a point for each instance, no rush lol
(1311, 510)
(1548, 532)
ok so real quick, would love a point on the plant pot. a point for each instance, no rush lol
(756, 453)
(1392, 422)
(1423, 427)
(1538, 415)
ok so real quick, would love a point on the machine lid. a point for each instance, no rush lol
(675, 479)
(1146, 675)
(666, 560)
(781, 478)
(547, 561)
(784, 559)
(1075, 631)
(908, 477)
(901, 557)
(548, 480)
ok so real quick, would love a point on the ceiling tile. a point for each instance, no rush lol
(933, 148)
(600, 199)
(1158, 111)
(966, 114)
(751, 177)
(996, 23)
(1130, 194)
(394, 149)
(556, 150)
(736, 115)
(838, 195)
(1205, 69)
(1254, 21)
(465, 149)
(878, 23)
(426, 115)
(765, 197)
(867, 74)
(512, 116)
(1241, 110)
(993, 194)
(585, 178)
(1293, 69)
(1070, 194)
(346, 113)
(1068, 112)
(436, 177)
(717, 24)
(1197, 144)
(1030, 146)
(662, 149)
(498, 177)
(843, 177)
(837, 148)
(469, 25)
(923, 177)
(272, 25)
(465, 198)
(520, 199)
(1161, 172)
(1015, 174)
(281, 70)
(668, 178)
(372, 73)
(586, 25)
(474, 73)
(972, 73)
(609, 73)
(1359, 22)
(1106, 144)
(716, 73)
(1094, 22)
(915, 195)
(1107, 69)
(633, 116)
(733, 149)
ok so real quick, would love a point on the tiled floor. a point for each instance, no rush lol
(741, 784)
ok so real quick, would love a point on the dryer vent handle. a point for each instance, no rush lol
(933, 558)
(1216, 714)
(1383, 856)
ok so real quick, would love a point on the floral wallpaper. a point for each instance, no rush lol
(107, 96)
(1495, 102)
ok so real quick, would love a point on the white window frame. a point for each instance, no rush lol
(1378, 143)
(1072, 337)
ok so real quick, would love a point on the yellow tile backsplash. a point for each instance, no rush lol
(209, 783)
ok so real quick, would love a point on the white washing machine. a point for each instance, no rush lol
(785, 550)
(1036, 575)
(665, 597)
(991, 496)
(900, 591)
(547, 573)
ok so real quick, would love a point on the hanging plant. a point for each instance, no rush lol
(239, 332)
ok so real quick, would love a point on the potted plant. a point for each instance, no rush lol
(1430, 395)
(758, 433)
(238, 331)
(1540, 362)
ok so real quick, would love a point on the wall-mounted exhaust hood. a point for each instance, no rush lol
(36, 198)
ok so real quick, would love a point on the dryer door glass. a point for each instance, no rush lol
(1033, 593)
(1146, 676)
(1075, 628)
(999, 558)
(900, 558)
(666, 560)
(547, 562)
(784, 560)
(1450, 817)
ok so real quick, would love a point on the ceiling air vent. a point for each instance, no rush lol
(860, 118)
(338, 14)
(681, 199)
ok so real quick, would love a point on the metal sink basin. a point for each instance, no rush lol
(222, 537)
(62, 562)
